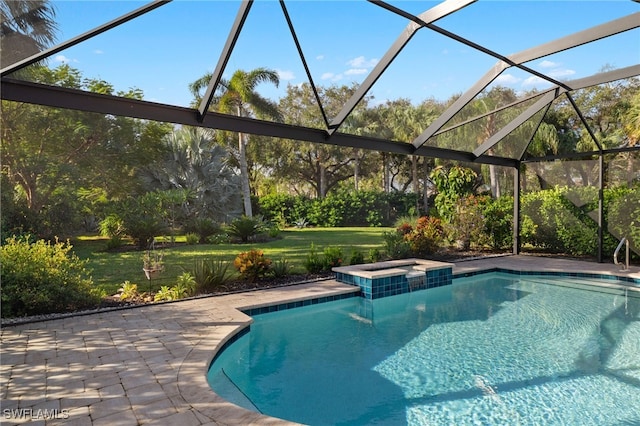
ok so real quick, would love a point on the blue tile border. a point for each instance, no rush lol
(549, 273)
(435, 278)
(291, 305)
(376, 288)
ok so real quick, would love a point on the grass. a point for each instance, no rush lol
(111, 269)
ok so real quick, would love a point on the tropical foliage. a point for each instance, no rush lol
(238, 96)
(195, 178)
(27, 27)
(41, 277)
(65, 171)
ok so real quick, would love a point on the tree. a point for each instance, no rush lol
(403, 122)
(452, 183)
(26, 28)
(238, 96)
(196, 166)
(321, 167)
(52, 156)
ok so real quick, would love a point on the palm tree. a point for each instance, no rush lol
(238, 96)
(197, 167)
(26, 28)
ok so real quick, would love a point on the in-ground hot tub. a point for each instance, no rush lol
(382, 279)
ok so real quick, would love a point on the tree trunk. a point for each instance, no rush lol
(323, 181)
(244, 174)
(495, 185)
(425, 193)
(385, 173)
(356, 169)
(414, 174)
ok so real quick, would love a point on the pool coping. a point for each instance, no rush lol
(148, 365)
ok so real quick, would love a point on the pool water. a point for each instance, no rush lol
(493, 349)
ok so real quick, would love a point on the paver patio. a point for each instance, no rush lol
(147, 365)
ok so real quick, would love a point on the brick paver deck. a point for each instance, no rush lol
(148, 365)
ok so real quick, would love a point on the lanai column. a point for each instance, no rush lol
(516, 208)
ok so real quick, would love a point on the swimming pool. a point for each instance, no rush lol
(490, 349)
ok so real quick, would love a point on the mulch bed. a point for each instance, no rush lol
(235, 286)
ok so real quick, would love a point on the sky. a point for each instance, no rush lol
(165, 50)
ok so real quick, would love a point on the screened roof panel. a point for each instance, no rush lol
(475, 131)
(438, 74)
(145, 52)
(508, 27)
(342, 41)
(515, 143)
(453, 51)
(583, 61)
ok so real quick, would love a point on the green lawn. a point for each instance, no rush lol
(110, 270)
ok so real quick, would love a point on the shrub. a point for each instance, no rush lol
(426, 238)
(246, 227)
(252, 264)
(396, 246)
(221, 238)
(404, 221)
(623, 216)
(112, 227)
(498, 222)
(192, 238)
(356, 258)
(375, 255)
(165, 293)
(210, 275)
(340, 208)
(275, 206)
(41, 277)
(452, 184)
(129, 291)
(185, 285)
(332, 257)
(281, 268)
(407, 241)
(142, 218)
(274, 231)
(301, 223)
(467, 225)
(313, 262)
(560, 225)
(204, 228)
(114, 242)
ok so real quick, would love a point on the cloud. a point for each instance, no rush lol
(320, 57)
(356, 71)
(507, 79)
(331, 76)
(98, 52)
(285, 75)
(63, 59)
(555, 69)
(557, 73)
(358, 66)
(534, 81)
(548, 64)
(362, 62)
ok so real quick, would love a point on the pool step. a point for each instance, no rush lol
(592, 284)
